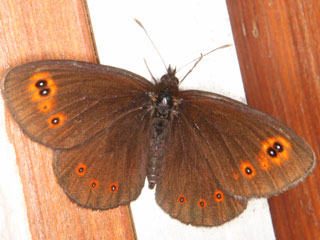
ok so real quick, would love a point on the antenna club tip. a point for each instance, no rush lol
(138, 22)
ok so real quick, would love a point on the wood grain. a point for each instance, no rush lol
(278, 45)
(54, 29)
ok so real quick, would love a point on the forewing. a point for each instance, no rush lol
(61, 104)
(187, 188)
(109, 169)
(250, 153)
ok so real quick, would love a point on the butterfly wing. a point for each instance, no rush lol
(110, 168)
(250, 153)
(61, 104)
(187, 189)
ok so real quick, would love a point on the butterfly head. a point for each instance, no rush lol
(169, 82)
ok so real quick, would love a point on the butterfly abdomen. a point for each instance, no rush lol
(159, 133)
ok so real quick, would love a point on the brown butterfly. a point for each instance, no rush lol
(205, 154)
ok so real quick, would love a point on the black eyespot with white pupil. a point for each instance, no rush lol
(113, 188)
(278, 147)
(218, 196)
(182, 199)
(55, 121)
(271, 152)
(80, 170)
(248, 171)
(45, 92)
(275, 149)
(41, 84)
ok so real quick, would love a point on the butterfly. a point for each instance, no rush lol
(205, 154)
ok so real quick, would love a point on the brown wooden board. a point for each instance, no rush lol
(32, 30)
(278, 45)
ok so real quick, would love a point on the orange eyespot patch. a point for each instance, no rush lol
(81, 169)
(113, 187)
(41, 86)
(182, 199)
(202, 203)
(94, 184)
(247, 169)
(41, 94)
(56, 120)
(276, 149)
(236, 175)
(46, 106)
(218, 196)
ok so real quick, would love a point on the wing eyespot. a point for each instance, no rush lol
(182, 199)
(278, 147)
(81, 169)
(202, 203)
(113, 187)
(41, 83)
(46, 106)
(56, 120)
(247, 170)
(218, 196)
(41, 86)
(45, 92)
(94, 184)
(275, 148)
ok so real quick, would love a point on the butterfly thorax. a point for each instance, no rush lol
(165, 103)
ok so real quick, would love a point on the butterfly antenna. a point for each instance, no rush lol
(140, 24)
(153, 78)
(196, 63)
(198, 59)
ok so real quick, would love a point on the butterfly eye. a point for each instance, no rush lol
(202, 203)
(182, 199)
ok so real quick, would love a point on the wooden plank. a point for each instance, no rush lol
(54, 29)
(279, 53)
